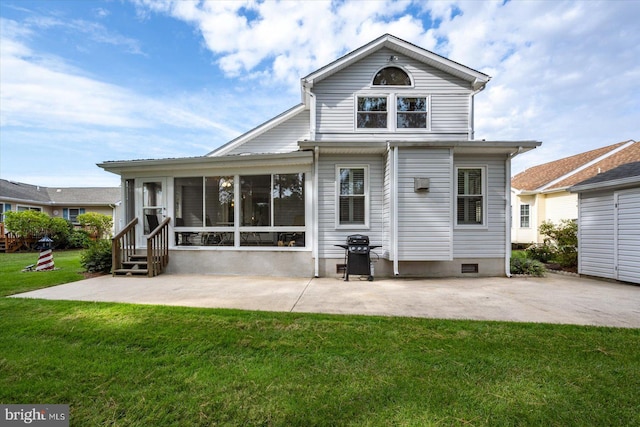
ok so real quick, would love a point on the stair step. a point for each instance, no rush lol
(132, 264)
(131, 272)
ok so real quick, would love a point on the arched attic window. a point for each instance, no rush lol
(392, 76)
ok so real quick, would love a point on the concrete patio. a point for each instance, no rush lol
(553, 299)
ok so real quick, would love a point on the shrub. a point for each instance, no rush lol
(97, 257)
(98, 225)
(541, 252)
(564, 238)
(527, 266)
(79, 239)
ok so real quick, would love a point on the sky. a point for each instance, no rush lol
(83, 82)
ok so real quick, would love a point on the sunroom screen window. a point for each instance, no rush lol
(288, 199)
(372, 112)
(255, 208)
(352, 196)
(219, 201)
(470, 198)
(392, 76)
(188, 201)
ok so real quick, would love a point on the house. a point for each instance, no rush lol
(63, 202)
(380, 145)
(609, 224)
(541, 193)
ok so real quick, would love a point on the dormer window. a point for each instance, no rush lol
(392, 76)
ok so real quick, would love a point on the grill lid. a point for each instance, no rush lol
(357, 239)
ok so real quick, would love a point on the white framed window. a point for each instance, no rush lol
(471, 200)
(71, 214)
(352, 207)
(525, 216)
(403, 112)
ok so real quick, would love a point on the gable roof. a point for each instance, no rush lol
(478, 79)
(563, 173)
(50, 196)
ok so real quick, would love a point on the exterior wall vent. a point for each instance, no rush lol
(469, 268)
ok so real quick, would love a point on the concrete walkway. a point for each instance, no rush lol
(553, 299)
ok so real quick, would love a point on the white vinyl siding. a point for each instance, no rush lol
(336, 104)
(328, 233)
(628, 235)
(424, 217)
(595, 241)
(279, 139)
(561, 205)
(487, 241)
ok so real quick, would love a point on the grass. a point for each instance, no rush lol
(136, 365)
(14, 280)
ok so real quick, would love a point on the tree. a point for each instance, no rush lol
(98, 225)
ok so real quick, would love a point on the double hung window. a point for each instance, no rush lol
(524, 216)
(470, 200)
(352, 195)
(392, 112)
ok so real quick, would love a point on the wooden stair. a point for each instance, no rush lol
(136, 265)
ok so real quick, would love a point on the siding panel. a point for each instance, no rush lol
(596, 238)
(488, 241)
(629, 236)
(450, 99)
(329, 235)
(424, 218)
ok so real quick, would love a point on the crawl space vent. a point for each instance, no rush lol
(469, 268)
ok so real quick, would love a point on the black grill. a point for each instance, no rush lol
(358, 256)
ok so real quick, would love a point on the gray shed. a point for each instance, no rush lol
(609, 224)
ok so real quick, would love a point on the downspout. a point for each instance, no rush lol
(472, 108)
(394, 210)
(508, 211)
(316, 243)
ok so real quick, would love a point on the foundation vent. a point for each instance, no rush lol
(469, 268)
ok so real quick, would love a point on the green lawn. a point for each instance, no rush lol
(134, 365)
(14, 280)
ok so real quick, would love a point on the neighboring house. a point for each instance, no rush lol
(63, 202)
(381, 145)
(541, 193)
(609, 224)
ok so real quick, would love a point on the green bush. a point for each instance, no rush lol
(98, 225)
(527, 266)
(541, 252)
(564, 239)
(79, 239)
(97, 257)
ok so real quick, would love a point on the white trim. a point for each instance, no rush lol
(484, 195)
(396, 269)
(366, 195)
(392, 65)
(476, 78)
(316, 207)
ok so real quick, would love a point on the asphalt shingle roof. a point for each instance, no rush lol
(59, 195)
(568, 172)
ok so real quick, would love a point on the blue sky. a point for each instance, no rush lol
(82, 82)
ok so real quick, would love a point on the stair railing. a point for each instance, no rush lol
(123, 245)
(158, 248)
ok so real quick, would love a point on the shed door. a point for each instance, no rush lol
(628, 235)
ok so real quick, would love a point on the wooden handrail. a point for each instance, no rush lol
(158, 248)
(123, 245)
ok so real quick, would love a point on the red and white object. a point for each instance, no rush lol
(45, 262)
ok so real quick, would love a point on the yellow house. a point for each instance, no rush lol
(541, 193)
